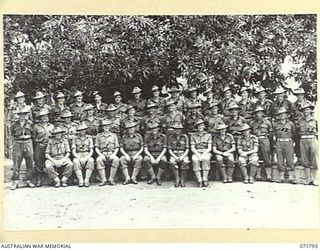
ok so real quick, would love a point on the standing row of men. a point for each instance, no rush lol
(185, 131)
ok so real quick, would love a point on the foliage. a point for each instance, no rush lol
(117, 52)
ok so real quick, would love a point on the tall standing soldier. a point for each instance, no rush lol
(213, 119)
(107, 148)
(21, 131)
(58, 162)
(262, 129)
(150, 118)
(224, 147)
(131, 146)
(247, 146)
(201, 146)
(82, 150)
(137, 102)
(39, 105)
(284, 131)
(78, 106)
(155, 148)
(178, 147)
(281, 102)
(20, 104)
(41, 134)
(234, 121)
(308, 132)
(68, 126)
(245, 104)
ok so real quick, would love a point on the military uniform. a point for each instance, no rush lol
(81, 148)
(15, 108)
(35, 110)
(107, 143)
(139, 105)
(160, 102)
(22, 148)
(283, 104)
(179, 103)
(212, 121)
(245, 144)
(284, 133)
(148, 120)
(179, 144)
(201, 141)
(234, 124)
(70, 130)
(225, 163)
(190, 122)
(192, 102)
(78, 110)
(93, 127)
(100, 110)
(41, 135)
(246, 109)
(56, 112)
(155, 145)
(308, 131)
(133, 119)
(262, 130)
(224, 106)
(121, 109)
(131, 144)
(266, 105)
(58, 149)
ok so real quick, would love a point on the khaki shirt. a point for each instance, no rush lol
(57, 148)
(93, 126)
(148, 120)
(160, 102)
(100, 111)
(122, 107)
(56, 112)
(212, 121)
(179, 103)
(107, 142)
(201, 140)
(190, 122)
(247, 143)
(36, 109)
(133, 143)
(235, 124)
(172, 118)
(77, 110)
(155, 145)
(42, 132)
(308, 127)
(285, 104)
(297, 114)
(178, 142)
(225, 104)
(246, 109)
(284, 129)
(82, 144)
(261, 128)
(140, 106)
(70, 130)
(267, 105)
(19, 131)
(127, 119)
(223, 144)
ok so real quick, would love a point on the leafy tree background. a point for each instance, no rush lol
(110, 53)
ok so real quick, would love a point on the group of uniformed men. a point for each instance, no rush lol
(164, 133)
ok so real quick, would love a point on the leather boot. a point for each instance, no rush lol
(184, 174)
(268, 172)
(159, 174)
(39, 179)
(135, 173)
(307, 173)
(281, 176)
(113, 172)
(199, 178)
(14, 185)
(152, 175)
(126, 176)
(176, 177)
(87, 179)
(292, 177)
(80, 178)
(205, 178)
(314, 177)
(230, 174)
(223, 174)
(102, 174)
(253, 170)
(244, 174)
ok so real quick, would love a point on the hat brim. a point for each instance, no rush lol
(310, 107)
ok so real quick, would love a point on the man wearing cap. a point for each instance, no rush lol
(297, 115)
(245, 105)
(155, 148)
(213, 119)
(150, 118)
(308, 133)
(121, 107)
(39, 105)
(224, 147)
(159, 101)
(130, 117)
(262, 129)
(82, 150)
(19, 104)
(234, 121)
(201, 146)
(91, 121)
(172, 116)
(178, 147)
(68, 126)
(247, 146)
(21, 131)
(58, 162)
(176, 97)
(137, 102)
(99, 106)
(78, 106)
(208, 103)
(59, 107)
(284, 131)
(107, 147)
(263, 102)
(226, 101)
(281, 101)
(192, 118)
(114, 118)
(41, 134)
(193, 99)
(131, 146)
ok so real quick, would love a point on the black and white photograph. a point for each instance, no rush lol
(160, 122)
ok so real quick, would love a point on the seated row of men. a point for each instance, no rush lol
(53, 155)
